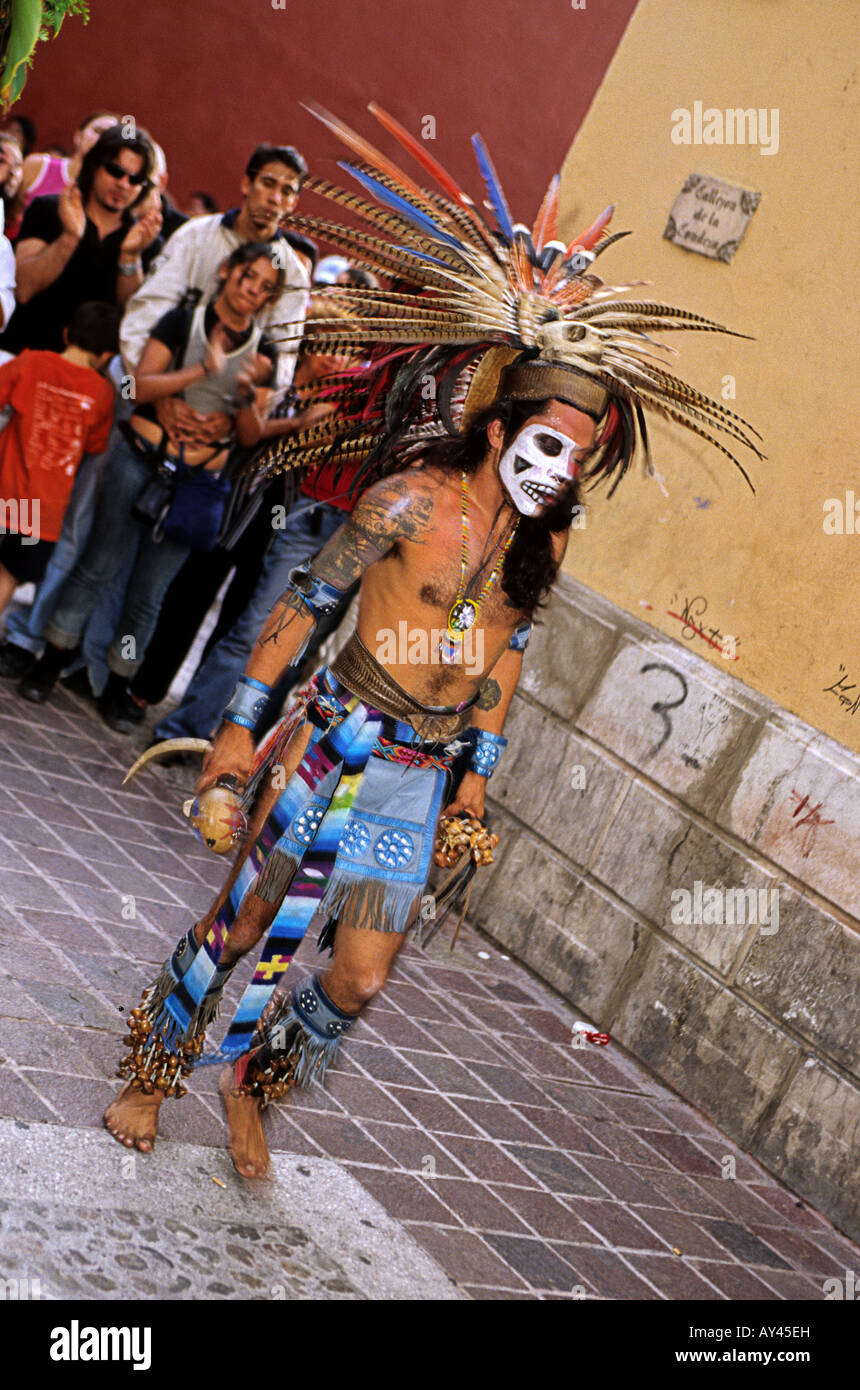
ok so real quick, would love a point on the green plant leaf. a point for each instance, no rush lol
(23, 36)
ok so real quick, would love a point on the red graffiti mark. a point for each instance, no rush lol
(688, 623)
(812, 820)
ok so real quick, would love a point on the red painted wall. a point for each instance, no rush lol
(210, 80)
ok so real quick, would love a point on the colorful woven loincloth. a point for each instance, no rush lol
(350, 837)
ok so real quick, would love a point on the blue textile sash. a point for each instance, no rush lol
(330, 844)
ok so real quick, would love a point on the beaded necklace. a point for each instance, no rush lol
(464, 611)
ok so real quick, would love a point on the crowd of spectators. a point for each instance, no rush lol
(141, 380)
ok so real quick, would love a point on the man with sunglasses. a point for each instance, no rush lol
(83, 244)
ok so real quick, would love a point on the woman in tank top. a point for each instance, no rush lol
(212, 357)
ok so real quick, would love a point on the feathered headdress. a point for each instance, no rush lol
(496, 312)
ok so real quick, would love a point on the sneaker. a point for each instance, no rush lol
(117, 708)
(15, 661)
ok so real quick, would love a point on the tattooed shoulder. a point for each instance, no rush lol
(394, 509)
(400, 506)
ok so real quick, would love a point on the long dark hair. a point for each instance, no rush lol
(110, 143)
(530, 567)
(247, 254)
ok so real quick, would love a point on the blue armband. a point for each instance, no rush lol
(310, 597)
(520, 639)
(486, 753)
(316, 595)
(247, 703)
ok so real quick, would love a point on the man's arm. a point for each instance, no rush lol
(38, 262)
(140, 235)
(394, 509)
(171, 277)
(489, 716)
(290, 307)
(7, 281)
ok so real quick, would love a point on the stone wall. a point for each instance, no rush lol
(635, 770)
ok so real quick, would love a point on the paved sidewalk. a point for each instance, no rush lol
(525, 1168)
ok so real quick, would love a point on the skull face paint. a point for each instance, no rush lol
(536, 465)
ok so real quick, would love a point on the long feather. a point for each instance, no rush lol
(494, 187)
(382, 218)
(363, 148)
(545, 227)
(468, 223)
(400, 205)
(587, 239)
(420, 153)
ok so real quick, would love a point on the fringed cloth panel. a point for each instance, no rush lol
(350, 836)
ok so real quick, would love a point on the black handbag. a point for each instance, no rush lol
(155, 498)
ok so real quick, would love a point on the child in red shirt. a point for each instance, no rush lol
(62, 409)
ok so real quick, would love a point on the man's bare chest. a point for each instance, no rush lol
(439, 578)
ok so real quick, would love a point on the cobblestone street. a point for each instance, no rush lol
(461, 1136)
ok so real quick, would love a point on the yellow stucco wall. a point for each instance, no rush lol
(770, 575)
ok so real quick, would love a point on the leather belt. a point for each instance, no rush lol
(361, 673)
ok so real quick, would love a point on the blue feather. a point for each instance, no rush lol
(400, 205)
(494, 188)
(423, 256)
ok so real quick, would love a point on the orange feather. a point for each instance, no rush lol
(593, 234)
(545, 227)
(363, 148)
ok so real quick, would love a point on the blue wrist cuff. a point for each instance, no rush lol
(255, 684)
(247, 703)
(486, 753)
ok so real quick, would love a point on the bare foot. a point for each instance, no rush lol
(132, 1118)
(245, 1123)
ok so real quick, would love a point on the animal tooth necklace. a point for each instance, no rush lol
(464, 611)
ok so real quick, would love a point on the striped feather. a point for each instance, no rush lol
(400, 205)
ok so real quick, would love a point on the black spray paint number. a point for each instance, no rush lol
(661, 706)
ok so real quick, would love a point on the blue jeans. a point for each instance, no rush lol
(24, 625)
(203, 703)
(118, 543)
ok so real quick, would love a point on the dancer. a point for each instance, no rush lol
(509, 374)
